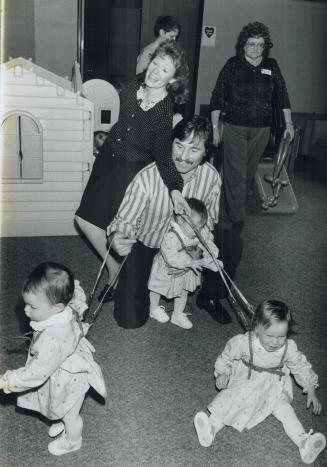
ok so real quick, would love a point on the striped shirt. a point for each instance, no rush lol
(146, 210)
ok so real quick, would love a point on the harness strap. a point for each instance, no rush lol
(274, 370)
(184, 247)
(79, 322)
(277, 370)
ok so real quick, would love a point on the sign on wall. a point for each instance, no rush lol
(208, 36)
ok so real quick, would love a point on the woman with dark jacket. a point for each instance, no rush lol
(244, 92)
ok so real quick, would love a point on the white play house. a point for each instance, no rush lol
(46, 146)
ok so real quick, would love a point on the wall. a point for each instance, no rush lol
(46, 31)
(56, 35)
(43, 30)
(298, 30)
(19, 29)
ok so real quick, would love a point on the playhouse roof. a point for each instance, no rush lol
(39, 71)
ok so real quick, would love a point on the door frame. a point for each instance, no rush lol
(194, 84)
(80, 35)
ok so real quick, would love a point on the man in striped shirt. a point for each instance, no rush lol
(144, 216)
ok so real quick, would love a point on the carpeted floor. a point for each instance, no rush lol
(159, 376)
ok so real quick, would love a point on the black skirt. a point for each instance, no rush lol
(104, 192)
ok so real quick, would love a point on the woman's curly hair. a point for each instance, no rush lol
(179, 88)
(255, 29)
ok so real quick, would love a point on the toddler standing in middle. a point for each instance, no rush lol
(176, 269)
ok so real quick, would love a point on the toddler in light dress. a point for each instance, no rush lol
(60, 367)
(176, 269)
(253, 377)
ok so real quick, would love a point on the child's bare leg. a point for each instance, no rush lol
(157, 312)
(179, 317)
(73, 421)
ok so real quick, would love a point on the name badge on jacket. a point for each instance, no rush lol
(264, 71)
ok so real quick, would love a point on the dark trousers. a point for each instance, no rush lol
(230, 246)
(131, 309)
(243, 149)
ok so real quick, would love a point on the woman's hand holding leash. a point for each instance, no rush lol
(180, 205)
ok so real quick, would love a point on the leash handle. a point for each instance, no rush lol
(223, 273)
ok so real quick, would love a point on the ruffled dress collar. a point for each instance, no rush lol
(59, 318)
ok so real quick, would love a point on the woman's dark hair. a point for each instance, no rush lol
(196, 125)
(254, 30)
(54, 280)
(179, 88)
(270, 311)
(199, 207)
(167, 23)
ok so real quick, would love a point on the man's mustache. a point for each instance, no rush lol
(185, 161)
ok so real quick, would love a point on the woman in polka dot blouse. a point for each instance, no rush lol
(141, 135)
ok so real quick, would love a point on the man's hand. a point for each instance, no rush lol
(222, 381)
(179, 202)
(313, 400)
(122, 245)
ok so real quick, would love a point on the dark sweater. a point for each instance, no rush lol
(146, 135)
(244, 92)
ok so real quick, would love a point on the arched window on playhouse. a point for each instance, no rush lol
(21, 147)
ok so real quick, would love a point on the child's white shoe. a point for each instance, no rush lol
(159, 314)
(63, 445)
(312, 446)
(55, 429)
(181, 320)
(203, 429)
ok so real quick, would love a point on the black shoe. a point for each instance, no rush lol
(238, 226)
(108, 294)
(215, 309)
